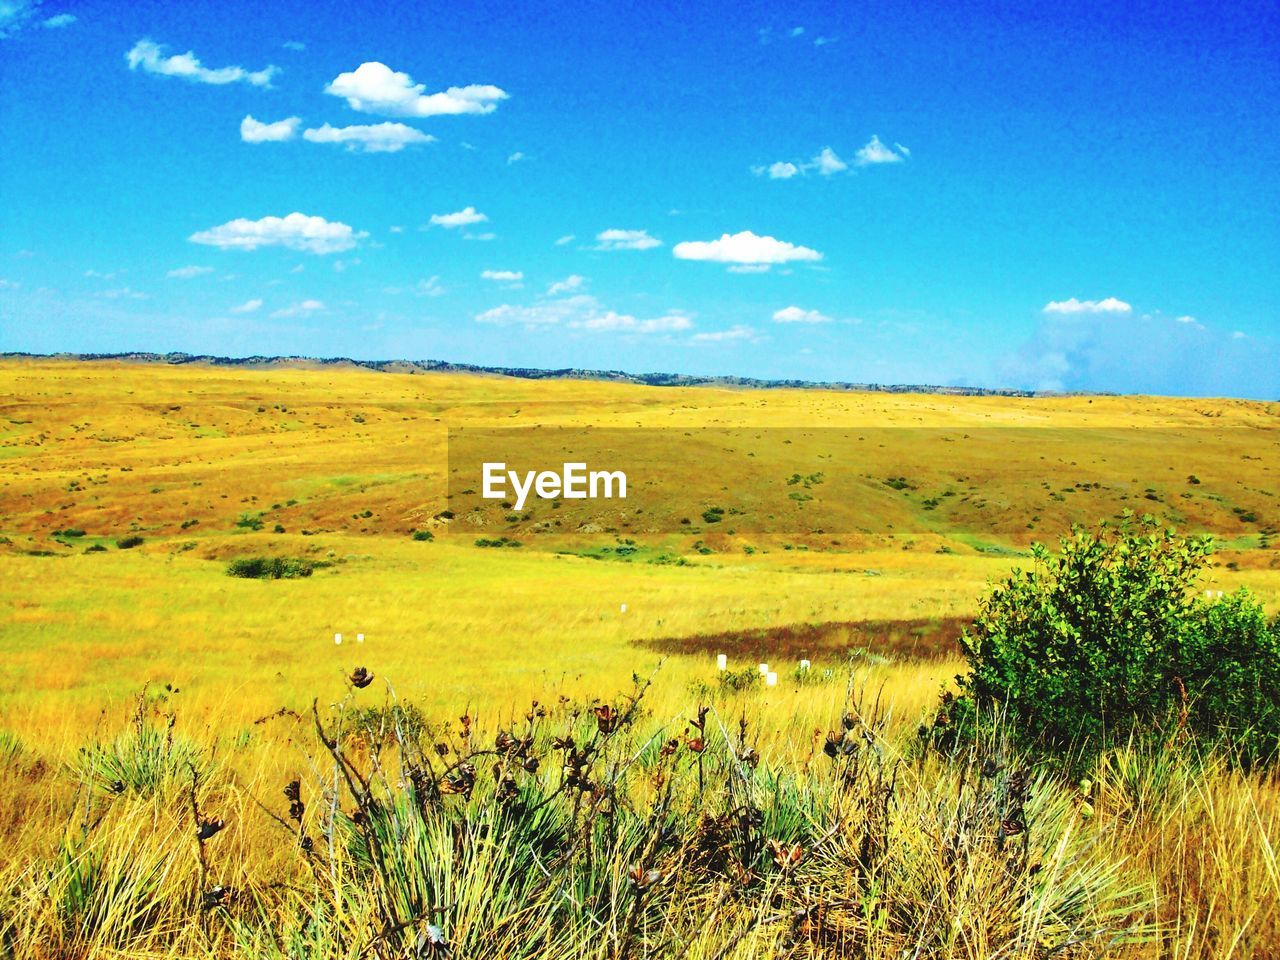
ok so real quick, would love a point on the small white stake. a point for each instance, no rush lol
(624, 608)
(805, 664)
(359, 638)
(337, 638)
(764, 669)
(770, 679)
(722, 662)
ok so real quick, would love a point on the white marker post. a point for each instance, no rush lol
(337, 638)
(359, 638)
(624, 608)
(722, 663)
(770, 679)
(805, 665)
(764, 669)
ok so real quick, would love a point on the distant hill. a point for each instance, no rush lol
(527, 373)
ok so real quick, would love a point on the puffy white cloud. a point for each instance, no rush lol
(1107, 305)
(462, 218)
(124, 293)
(249, 306)
(565, 240)
(369, 138)
(582, 312)
(738, 332)
(782, 170)
(297, 231)
(299, 309)
(877, 152)
(503, 276)
(569, 284)
(516, 158)
(614, 239)
(744, 247)
(295, 45)
(187, 273)
(795, 314)
(827, 163)
(59, 20)
(374, 87)
(255, 131)
(149, 56)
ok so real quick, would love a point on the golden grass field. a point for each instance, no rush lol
(179, 454)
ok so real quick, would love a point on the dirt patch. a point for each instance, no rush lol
(922, 639)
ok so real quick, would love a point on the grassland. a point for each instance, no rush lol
(342, 466)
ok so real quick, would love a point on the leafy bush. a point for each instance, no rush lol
(1107, 640)
(423, 535)
(128, 543)
(270, 568)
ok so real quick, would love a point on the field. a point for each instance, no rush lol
(343, 466)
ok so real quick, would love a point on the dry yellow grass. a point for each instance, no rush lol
(115, 448)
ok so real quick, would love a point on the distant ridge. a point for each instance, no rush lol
(530, 373)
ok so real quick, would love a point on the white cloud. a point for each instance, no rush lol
(375, 88)
(516, 158)
(124, 293)
(255, 131)
(187, 273)
(102, 276)
(249, 306)
(744, 247)
(738, 332)
(294, 45)
(429, 288)
(626, 323)
(795, 314)
(566, 239)
(299, 309)
(369, 138)
(749, 268)
(876, 152)
(569, 284)
(614, 239)
(479, 236)
(59, 20)
(297, 231)
(150, 57)
(503, 276)
(9, 284)
(462, 218)
(1108, 305)
(14, 14)
(582, 312)
(828, 163)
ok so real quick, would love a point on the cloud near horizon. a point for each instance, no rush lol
(744, 248)
(1067, 307)
(383, 137)
(615, 239)
(581, 312)
(297, 231)
(465, 217)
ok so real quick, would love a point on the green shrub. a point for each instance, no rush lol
(1107, 640)
(270, 568)
(423, 535)
(128, 543)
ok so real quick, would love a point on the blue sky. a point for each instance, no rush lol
(1077, 198)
